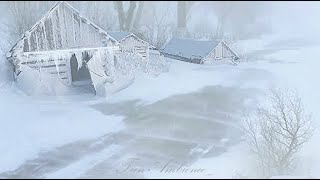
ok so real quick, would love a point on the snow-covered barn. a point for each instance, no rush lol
(132, 42)
(198, 51)
(61, 43)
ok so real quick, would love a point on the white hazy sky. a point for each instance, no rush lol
(289, 18)
(295, 17)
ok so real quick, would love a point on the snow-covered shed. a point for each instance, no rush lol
(198, 51)
(61, 43)
(132, 42)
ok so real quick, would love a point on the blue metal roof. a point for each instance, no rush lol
(119, 35)
(189, 48)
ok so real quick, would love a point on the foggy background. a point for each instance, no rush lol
(156, 22)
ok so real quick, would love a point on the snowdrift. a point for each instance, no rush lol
(35, 82)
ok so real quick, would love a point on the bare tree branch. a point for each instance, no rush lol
(278, 131)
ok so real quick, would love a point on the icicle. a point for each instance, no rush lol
(89, 53)
(79, 58)
(56, 62)
(98, 56)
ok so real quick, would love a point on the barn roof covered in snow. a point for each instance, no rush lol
(189, 48)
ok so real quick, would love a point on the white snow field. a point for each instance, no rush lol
(189, 114)
(29, 126)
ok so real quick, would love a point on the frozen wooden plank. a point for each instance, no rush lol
(33, 42)
(57, 29)
(51, 61)
(49, 34)
(69, 27)
(47, 66)
(40, 37)
(76, 27)
(26, 45)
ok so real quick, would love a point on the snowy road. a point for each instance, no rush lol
(159, 132)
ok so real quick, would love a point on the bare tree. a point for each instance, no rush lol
(132, 17)
(138, 15)
(277, 131)
(161, 29)
(101, 13)
(222, 10)
(182, 14)
(23, 14)
(183, 8)
(239, 19)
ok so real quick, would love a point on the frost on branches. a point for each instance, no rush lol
(157, 64)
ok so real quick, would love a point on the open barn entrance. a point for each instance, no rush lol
(81, 77)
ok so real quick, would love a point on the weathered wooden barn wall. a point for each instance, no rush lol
(62, 28)
(220, 51)
(131, 43)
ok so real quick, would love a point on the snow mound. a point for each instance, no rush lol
(34, 82)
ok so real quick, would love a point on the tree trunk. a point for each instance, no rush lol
(220, 27)
(138, 16)
(181, 18)
(126, 19)
(182, 14)
(130, 14)
(217, 33)
(121, 16)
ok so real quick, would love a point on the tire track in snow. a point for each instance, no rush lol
(80, 167)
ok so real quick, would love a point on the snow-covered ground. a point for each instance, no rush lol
(291, 67)
(189, 114)
(29, 126)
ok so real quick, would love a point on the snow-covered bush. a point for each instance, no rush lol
(157, 64)
(129, 63)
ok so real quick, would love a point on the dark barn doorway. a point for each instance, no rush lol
(81, 78)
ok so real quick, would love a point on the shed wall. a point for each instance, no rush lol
(221, 51)
(132, 44)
